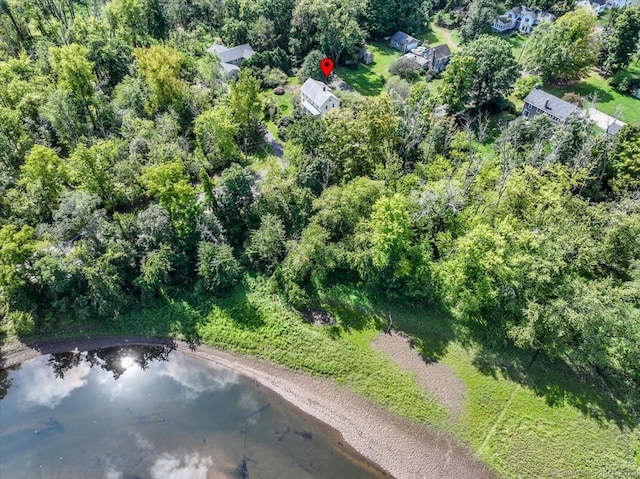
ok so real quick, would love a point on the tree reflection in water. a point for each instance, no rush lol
(110, 359)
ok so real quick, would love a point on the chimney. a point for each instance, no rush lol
(546, 104)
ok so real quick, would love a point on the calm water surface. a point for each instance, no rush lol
(149, 412)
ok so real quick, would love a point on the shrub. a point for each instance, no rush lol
(625, 82)
(405, 68)
(217, 267)
(524, 85)
(573, 98)
(21, 322)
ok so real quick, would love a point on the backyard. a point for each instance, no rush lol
(608, 100)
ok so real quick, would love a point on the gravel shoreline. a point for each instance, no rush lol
(404, 449)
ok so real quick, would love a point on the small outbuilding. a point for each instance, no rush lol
(365, 56)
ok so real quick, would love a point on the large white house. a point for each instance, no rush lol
(317, 98)
(521, 17)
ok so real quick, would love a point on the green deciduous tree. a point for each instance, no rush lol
(620, 40)
(623, 172)
(266, 245)
(44, 176)
(233, 197)
(75, 74)
(245, 103)
(161, 67)
(217, 267)
(216, 131)
(479, 19)
(565, 49)
(92, 170)
(457, 82)
(495, 70)
(17, 247)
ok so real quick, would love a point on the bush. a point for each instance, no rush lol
(283, 126)
(405, 68)
(573, 98)
(625, 82)
(272, 77)
(524, 85)
(21, 322)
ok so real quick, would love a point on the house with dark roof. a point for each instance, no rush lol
(539, 102)
(403, 42)
(430, 58)
(232, 58)
(439, 57)
(317, 98)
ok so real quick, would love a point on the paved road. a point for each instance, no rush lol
(275, 145)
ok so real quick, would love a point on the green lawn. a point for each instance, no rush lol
(368, 79)
(517, 42)
(438, 35)
(609, 100)
(525, 418)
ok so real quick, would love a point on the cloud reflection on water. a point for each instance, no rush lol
(38, 385)
(197, 377)
(191, 466)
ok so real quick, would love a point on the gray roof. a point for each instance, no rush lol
(403, 37)
(232, 54)
(317, 91)
(417, 59)
(441, 51)
(550, 104)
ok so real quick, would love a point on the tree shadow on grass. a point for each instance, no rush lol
(554, 380)
(362, 79)
(432, 329)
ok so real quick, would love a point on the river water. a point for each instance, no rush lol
(154, 413)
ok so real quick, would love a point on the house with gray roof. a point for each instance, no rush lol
(539, 102)
(403, 42)
(317, 98)
(232, 58)
(430, 58)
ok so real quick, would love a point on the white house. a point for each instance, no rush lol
(521, 17)
(317, 98)
(507, 21)
(596, 6)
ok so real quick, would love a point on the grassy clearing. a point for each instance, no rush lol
(517, 42)
(369, 80)
(438, 35)
(524, 419)
(362, 79)
(383, 57)
(611, 102)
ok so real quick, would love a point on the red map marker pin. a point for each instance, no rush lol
(326, 65)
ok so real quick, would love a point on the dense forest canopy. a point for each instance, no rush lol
(126, 176)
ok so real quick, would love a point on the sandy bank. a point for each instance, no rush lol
(403, 449)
